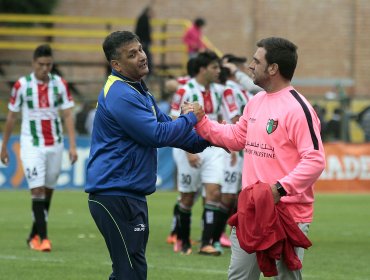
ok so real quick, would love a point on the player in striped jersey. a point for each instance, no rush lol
(40, 96)
(206, 168)
(239, 69)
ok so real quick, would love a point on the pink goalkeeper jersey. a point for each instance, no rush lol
(40, 103)
(280, 135)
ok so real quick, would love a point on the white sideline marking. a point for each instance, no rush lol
(10, 257)
(183, 268)
(209, 271)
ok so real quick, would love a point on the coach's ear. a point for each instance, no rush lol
(115, 64)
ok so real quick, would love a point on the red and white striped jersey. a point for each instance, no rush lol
(241, 96)
(192, 91)
(230, 108)
(183, 80)
(39, 103)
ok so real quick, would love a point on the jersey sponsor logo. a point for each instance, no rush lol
(271, 126)
(208, 106)
(43, 95)
(230, 100)
(140, 227)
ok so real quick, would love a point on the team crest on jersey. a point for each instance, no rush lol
(271, 126)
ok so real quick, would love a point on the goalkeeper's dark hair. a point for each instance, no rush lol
(282, 52)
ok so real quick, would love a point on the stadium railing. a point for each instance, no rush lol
(85, 34)
(77, 44)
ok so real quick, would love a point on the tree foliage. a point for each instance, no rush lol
(27, 6)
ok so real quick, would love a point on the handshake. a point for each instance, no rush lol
(197, 109)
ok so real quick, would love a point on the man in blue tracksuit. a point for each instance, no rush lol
(128, 128)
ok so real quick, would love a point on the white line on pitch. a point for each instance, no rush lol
(10, 257)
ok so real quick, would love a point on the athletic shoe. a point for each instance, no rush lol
(194, 242)
(186, 250)
(34, 242)
(171, 239)
(225, 241)
(177, 246)
(45, 245)
(209, 250)
(218, 247)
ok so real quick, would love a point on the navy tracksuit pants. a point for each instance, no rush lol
(123, 222)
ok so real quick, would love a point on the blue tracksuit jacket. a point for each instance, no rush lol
(128, 128)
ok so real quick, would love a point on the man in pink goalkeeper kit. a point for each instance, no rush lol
(279, 132)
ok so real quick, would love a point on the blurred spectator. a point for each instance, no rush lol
(190, 66)
(90, 120)
(363, 119)
(193, 38)
(143, 29)
(321, 112)
(239, 68)
(333, 130)
(84, 118)
(81, 119)
(170, 87)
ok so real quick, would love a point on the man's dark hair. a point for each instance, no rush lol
(42, 50)
(225, 74)
(282, 52)
(115, 40)
(190, 65)
(204, 59)
(234, 59)
(199, 22)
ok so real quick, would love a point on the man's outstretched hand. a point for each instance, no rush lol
(195, 107)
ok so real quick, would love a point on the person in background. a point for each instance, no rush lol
(193, 38)
(40, 96)
(89, 122)
(81, 117)
(205, 169)
(321, 112)
(279, 132)
(181, 81)
(170, 87)
(363, 119)
(143, 29)
(122, 166)
(233, 103)
(238, 68)
(230, 185)
(333, 128)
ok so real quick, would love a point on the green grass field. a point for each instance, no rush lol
(340, 236)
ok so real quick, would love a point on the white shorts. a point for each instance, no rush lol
(190, 179)
(41, 165)
(232, 174)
